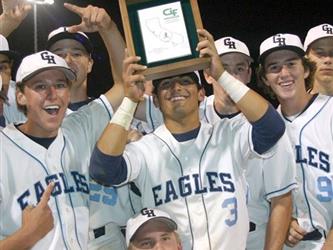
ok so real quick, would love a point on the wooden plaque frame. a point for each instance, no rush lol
(134, 41)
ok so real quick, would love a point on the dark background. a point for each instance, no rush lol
(249, 21)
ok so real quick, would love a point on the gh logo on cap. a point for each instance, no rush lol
(329, 30)
(280, 40)
(148, 212)
(231, 44)
(49, 58)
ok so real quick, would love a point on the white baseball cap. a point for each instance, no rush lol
(62, 33)
(229, 44)
(38, 62)
(4, 48)
(147, 214)
(318, 32)
(279, 42)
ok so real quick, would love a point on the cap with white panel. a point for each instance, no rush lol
(279, 42)
(147, 214)
(41, 61)
(316, 33)
(229, 44)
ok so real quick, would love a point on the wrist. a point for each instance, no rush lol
(124, 114)
(232, 86)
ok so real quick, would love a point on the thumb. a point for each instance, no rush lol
(75, 28)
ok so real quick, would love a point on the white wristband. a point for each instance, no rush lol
(124, 114)
(234, 88)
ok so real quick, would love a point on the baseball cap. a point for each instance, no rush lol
(279, 42)
(318, 32)
(194, 75)
(229, 44)
(4, 49)
(41, 61)
(62, 33)
(147, 214)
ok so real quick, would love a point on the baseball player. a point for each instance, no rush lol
(318, 45)
(152, 229)
(191, 170)
(309, 120)
(45, 149)
(270, 182)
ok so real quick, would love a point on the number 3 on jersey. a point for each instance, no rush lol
(231, 204)
(325, 188)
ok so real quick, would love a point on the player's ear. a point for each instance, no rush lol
(90, 64)
(21, 98)
(201, 94)
(155, 101)
(306, 72)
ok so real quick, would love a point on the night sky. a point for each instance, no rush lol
(249, 21)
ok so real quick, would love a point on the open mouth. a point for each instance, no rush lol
(52, 109)
(286, 83)
(177, 98)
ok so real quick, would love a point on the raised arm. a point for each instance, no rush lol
(111, 144)
(268, 127)
(94, 19)
(14, 12)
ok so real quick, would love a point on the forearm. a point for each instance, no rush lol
(278, 224)
(6, 28)
(329, 241)
(252, 105)
(19, 240)
(115, 46)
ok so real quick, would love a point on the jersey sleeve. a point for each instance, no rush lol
(279, 170)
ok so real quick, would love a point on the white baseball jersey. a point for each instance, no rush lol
(266, 178)
(199, 182)
(311, 135)
(27, 167)
(107, 206)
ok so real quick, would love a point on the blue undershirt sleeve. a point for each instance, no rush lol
(267, 130)
(106, 169)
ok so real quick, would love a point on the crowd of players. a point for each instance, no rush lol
(226, 171)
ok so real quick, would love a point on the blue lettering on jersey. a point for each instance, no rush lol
(313, 157)
(191, 185)
(106, 195)
(61, 186)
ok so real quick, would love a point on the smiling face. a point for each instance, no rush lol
(321, 52)
(46, 97)
(178, 97)
(285, 75)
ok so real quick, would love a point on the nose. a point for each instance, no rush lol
(51, 92)
(284, 70)
(68, 58)
(159, 246)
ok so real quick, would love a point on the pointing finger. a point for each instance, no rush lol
(46, 195)
(76, 9)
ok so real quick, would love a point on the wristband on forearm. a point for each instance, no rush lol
(124, 114)
(232, 86)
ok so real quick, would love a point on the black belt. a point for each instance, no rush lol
(314, 235)
(98, 232)
(252, 226)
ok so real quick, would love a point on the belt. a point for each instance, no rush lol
(252, 226)
(98, 232)
(314, 235)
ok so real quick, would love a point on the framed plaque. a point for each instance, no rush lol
(163, 33)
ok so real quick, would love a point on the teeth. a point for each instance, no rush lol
(52, 107)
(177, 98)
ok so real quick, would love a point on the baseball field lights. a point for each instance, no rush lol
(41, 1)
